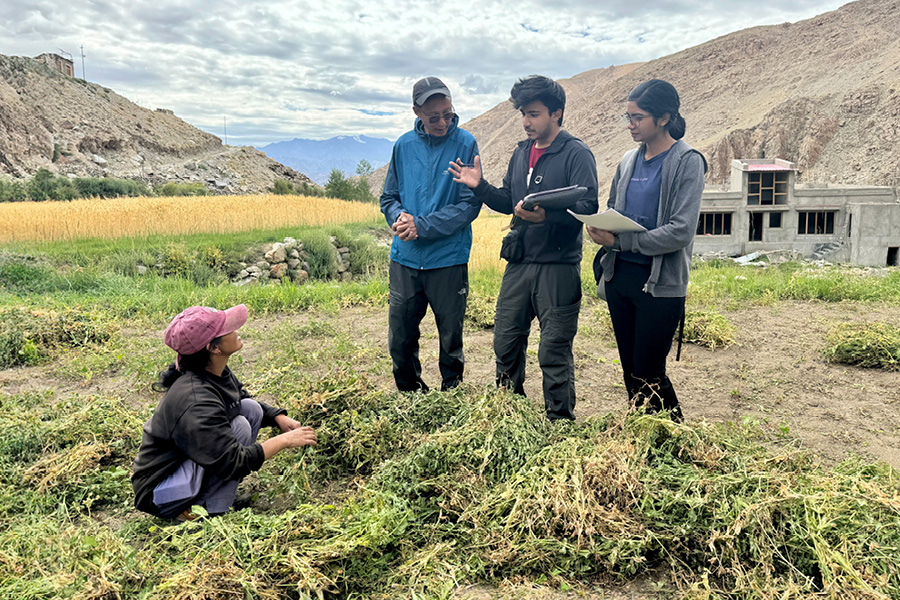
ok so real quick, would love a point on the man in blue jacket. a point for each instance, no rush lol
(430, 216)
(543, 277)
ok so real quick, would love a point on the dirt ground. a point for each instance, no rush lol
(775, 375)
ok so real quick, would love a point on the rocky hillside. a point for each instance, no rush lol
(824, 93)
(75, 127)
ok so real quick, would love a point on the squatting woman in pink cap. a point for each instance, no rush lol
(201, 441)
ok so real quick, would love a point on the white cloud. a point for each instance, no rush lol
(315, 69)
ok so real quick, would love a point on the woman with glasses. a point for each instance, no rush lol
(645, 273)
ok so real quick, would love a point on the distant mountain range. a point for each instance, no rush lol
(316, 158)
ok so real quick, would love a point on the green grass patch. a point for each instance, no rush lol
(717, 281)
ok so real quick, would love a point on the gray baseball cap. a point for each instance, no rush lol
(426, 88)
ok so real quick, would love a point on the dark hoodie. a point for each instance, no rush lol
(193, 420)
(567, 161)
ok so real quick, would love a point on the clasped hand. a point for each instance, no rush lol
(405, 227)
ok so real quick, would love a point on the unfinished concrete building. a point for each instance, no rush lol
(765, 209)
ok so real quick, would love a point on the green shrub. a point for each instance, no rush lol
(283, 187)
(871, 345)
(174, 188)
(177, 260)
(46, 186)
(320, 255)
(109, 187)
(366, 257)
(40, 186)
(309, 189)
(12, 190)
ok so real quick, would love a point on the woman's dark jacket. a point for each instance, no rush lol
(193, 420)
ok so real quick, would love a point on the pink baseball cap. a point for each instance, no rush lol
(195, 327)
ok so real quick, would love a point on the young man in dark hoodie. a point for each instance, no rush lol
(542, 279)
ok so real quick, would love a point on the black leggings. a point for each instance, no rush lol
(644, 327)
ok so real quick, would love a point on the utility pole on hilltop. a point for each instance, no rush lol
(83, 76)
(225, 127)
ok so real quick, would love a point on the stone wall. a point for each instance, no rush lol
(288, 260)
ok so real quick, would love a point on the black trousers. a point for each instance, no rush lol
(552, 293)
(411, 292)
(644, 327)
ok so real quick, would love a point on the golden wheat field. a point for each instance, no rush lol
(487, 234)
(127, 217)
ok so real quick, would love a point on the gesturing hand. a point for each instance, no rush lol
(467, 175)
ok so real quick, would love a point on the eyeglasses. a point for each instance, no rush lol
(633, 119)
(447, 116)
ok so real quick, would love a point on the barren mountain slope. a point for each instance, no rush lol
(824, 93)
(72, 126)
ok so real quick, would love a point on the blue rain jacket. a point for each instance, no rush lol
(419, 183)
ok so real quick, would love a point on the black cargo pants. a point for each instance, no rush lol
(411, 292)
(552, 293)
(644, 327)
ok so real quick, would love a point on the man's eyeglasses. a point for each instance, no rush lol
(447, 116)
(633, 119)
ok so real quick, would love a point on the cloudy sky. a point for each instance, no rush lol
(273, 71)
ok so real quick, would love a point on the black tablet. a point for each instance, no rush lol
(557, 198)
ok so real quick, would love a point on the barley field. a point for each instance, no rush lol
(142, 216)
(487, 234)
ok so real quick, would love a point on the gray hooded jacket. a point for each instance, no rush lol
(671, 243)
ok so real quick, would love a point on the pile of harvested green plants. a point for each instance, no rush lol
(412, 495)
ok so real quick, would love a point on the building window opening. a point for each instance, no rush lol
(767, 189)
(775, 220)
(714, 224)
(892, 259)
(818, 222)
(756, 227)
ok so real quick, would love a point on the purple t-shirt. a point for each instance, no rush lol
(642, 198)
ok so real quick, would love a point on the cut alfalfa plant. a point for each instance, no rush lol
(480, 309)
(706, 501)
(571, 509)
(358, 427)
(485, 443)
(870, 345)
(708, 328)
(31, 336)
